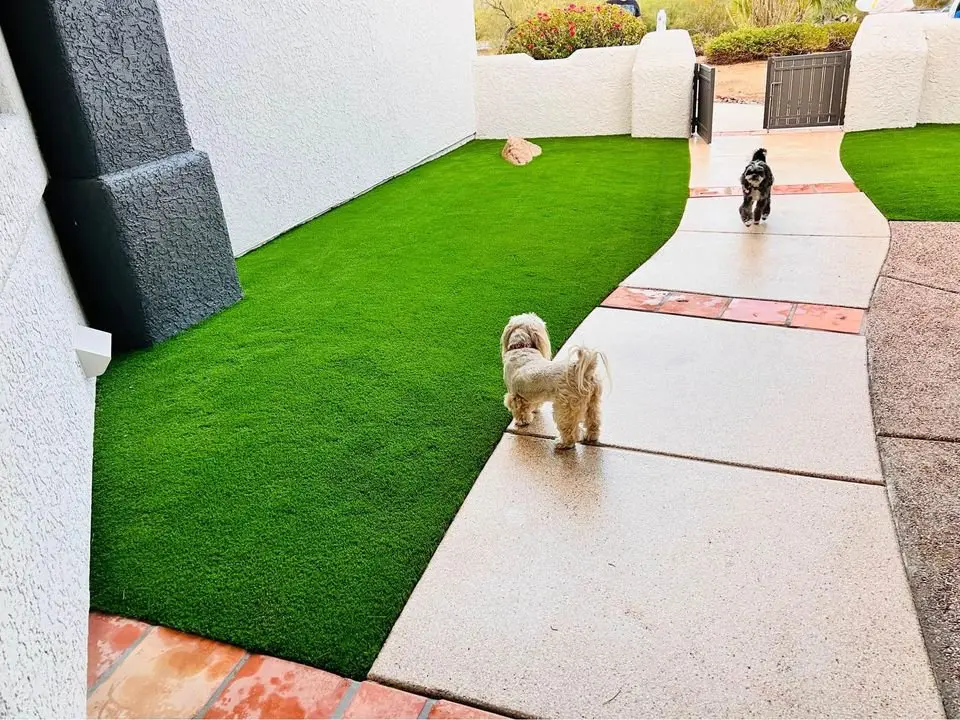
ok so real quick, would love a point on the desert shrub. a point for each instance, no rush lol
(841, 35)
(759, 43)
(560, 32)
(699, 41)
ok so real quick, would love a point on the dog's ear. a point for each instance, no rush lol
(542, 341)
(505, 337)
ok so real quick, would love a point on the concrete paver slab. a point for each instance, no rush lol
(913, 335)
(924, 484)
(736, 117)
(925, 253)
(762, 396)
(609, 583)
(795, 158)
(839, 214)
(799, 268)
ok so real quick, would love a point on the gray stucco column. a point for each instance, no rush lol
(135, 207)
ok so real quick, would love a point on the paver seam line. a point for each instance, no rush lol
(774, 234)
(742, 322)
(919, 436)
(345, 701)
(712, 461)
(914, 282)
(222, 686)
(439, 694)
(793, 311)
(116, 663)
(427, 707)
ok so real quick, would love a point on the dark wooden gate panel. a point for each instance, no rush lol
(806, 90)
(704, 83)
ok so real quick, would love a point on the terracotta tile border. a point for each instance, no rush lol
(801, 189)
(830, 318)
(140, 670)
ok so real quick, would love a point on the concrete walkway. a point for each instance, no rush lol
(727, 550)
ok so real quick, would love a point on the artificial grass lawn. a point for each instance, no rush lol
(279, 476)
(909, 174)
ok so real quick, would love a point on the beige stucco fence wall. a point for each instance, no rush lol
(903, 72)
(644, 90)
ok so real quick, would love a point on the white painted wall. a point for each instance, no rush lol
(46, 443)
(940, 100)
(303, 105)
(663, 85)
(903, 71)
(588, 93)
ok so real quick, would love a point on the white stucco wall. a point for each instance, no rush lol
(303, 105)
(46, 443)
(903, 71)
(940, 100)
(588, 93)
(663, 85)
(887, 67)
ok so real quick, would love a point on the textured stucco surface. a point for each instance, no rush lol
(887, 66)
(152, 242)
(662, 85)
(940, 101)
(112, 76)
(46, 443)
(302, 106)
(588, 93)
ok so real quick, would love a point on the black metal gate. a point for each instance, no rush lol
(704, 82)
(806, 90)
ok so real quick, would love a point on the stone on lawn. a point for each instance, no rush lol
(518, 151)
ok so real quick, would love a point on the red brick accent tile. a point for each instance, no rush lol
(801, 189)
(267, 687)
(705, 306)
(108, 637)
(374, 701)
(628, 298)
(446, 710)
(767, 312)
(168, 675)
(827, 317)
(714, 191)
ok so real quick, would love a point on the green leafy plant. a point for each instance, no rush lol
(562, 31)
(760, 43)
(841, 35)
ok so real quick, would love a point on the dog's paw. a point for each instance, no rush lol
(521, 423)
(592, 438)
(565, 445)
(764, 218)
(748, 223)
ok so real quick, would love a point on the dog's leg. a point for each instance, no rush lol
(758, 211)
(766, 208)
(567, 418)
(592, 420)
(520, 409)
(745, 209)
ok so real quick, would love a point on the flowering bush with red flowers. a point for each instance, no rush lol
(560, 32)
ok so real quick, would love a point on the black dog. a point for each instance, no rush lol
(757, 182)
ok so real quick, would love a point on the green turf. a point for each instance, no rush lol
(279, 476)
(909, 174)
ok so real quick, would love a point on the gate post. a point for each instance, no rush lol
(662, 89)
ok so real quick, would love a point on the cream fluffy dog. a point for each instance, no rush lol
(573, 384)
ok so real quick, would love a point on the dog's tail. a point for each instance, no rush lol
(760, 154)
(583, 372)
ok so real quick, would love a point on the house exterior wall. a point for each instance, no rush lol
(46, 442)
(903, 72)
(302, 106)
